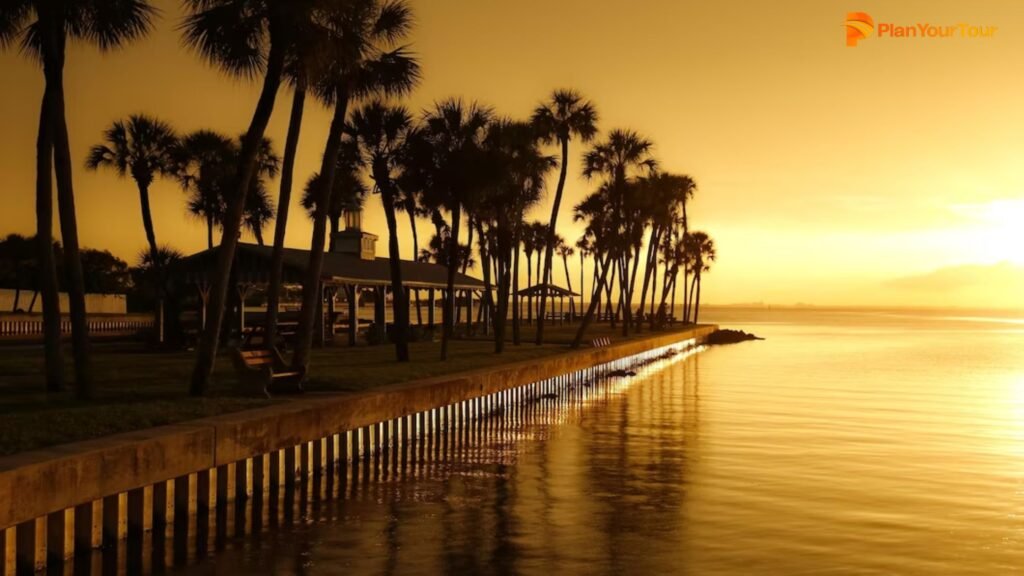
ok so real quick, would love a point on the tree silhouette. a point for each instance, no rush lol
(304, 61)
(617, 162)
(243, 38)
(364, 59)
(701, 251)
(142, 148)
(42, 28)
(449, 152)
(516, 171)
(566, 115)
(380, 131)
(206, 164)
(349, 190)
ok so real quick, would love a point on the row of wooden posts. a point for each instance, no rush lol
(182, 519)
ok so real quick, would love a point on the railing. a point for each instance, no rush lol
(167, 496)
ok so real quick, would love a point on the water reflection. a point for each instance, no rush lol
(835, 446)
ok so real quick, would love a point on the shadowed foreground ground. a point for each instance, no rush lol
(137, 388)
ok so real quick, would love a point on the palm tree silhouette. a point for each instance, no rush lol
(204, 169)
(142, 148)
(564, 250)
(363, 59)
(380, 131)
(584, 248)
(701, 249)
(450, 150)
(617, 162)
(304, 61)
(206, 163)
(243, 38)
(42, 29)
(565, 116)
(349, 190)
(516, 171)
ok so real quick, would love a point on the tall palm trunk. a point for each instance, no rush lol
(147, 223)
(209, 231)
(399, 303)
(582, 285)
(516, 303)
(69, 232)
(529, 282)
(503, 272)
(284, 200)
(647, 277)
(411, 210)
(549, 249)
(485, 258)
(538, 280)
(501, 316)
(675, 289)
(311, 294)
(44, 240)
(232, 224)
(696, 304)
(453, 266)
(589, 316)
(568, 284)
(686, 294)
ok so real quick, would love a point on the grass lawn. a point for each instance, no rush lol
(138, 388)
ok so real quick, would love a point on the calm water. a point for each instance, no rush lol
(846, 443)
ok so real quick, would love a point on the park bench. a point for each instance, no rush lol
(601, 342)
(266, 371)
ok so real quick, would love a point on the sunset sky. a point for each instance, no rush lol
(890, 173)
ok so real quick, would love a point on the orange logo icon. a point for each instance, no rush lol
(859, 26)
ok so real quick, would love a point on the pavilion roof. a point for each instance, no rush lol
(252, 265)
(551, 289)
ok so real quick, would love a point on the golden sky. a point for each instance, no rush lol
(828, 175)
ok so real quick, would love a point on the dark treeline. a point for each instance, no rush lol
(472, 172)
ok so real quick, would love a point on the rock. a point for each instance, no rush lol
(719, 337)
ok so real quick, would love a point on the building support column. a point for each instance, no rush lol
(353, 313)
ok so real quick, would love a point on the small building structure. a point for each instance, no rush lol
(351, 269)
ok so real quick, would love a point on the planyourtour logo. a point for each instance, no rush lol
(860, 25)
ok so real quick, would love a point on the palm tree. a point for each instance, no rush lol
(205, 167)
(379, 131)
(584, 248)
(565, 116)
(449, 152)
(617, 163)
(516, 171)
(243, 38)
(304, 60)
(681, 189)
(206, 164)
(607, 246)
(365, 60)
(438, 248)
(349, 190)
(701, 250)
(259, 211)
(141, 147)
(43, 29)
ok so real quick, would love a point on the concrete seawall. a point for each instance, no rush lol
(63, 501)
